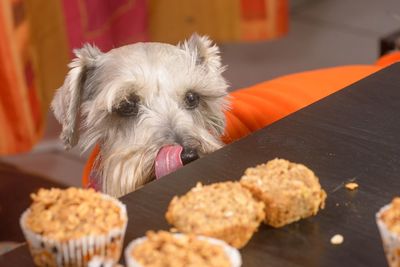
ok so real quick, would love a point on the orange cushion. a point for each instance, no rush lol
(262, 104)
(388, 59)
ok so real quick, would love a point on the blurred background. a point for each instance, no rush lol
(259, 40)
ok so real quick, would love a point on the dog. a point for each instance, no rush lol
(150, 107)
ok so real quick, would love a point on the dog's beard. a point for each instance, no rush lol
(126, 170)
(123, 170)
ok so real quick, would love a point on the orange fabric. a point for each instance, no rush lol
(31, 68)
(89, 165)
(19, 120)
(388, 59)
(262, 104)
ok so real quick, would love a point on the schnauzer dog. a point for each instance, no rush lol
(150, 107)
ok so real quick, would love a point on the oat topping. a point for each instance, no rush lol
(289, 190)
(281, 174)
(163, 249)
(391, 216)
(214, 206)
(223, 210)
(72, 213)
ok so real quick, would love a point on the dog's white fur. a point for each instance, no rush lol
(160, 75)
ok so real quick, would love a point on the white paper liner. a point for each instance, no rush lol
(390, 240)
(233, 253)
(98, 261)
(76, 252)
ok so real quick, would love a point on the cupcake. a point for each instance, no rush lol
(388, 221)
(289, 191)
(69, 227)
(225, 211)
(160, 249)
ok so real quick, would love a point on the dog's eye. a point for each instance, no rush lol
(128, 107)
(192, 100)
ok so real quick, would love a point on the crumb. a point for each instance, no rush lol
(351, 186)
(337, 239)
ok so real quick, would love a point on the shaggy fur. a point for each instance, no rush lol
(157, 78)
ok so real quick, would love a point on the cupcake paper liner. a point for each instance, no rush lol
(390, 240)
(98, 261)
(233, 253)
(75, 252)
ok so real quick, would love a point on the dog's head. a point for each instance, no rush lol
(141, 103)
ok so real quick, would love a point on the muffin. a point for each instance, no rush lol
(164, 249)
(388, 221)
(289, 191)
(68, 227)
(225, 211)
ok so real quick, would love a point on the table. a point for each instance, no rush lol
(353, 134)
(15, 188)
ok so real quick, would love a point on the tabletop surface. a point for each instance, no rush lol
(350, 135)
(13, 202)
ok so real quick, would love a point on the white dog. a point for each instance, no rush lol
(151, 107)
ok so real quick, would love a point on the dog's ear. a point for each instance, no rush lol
(204, 49)
(67, 100)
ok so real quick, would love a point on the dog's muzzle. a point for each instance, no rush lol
(172, 157)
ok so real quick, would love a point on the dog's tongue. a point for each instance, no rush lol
(168, 160)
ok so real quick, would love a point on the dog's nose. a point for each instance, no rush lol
(188, 155)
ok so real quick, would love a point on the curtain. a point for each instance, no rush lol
(105, 23)
(37, 38)
(33, 58)
(223, 20)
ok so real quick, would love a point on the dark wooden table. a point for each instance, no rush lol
(15, 188)
(351, 135)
